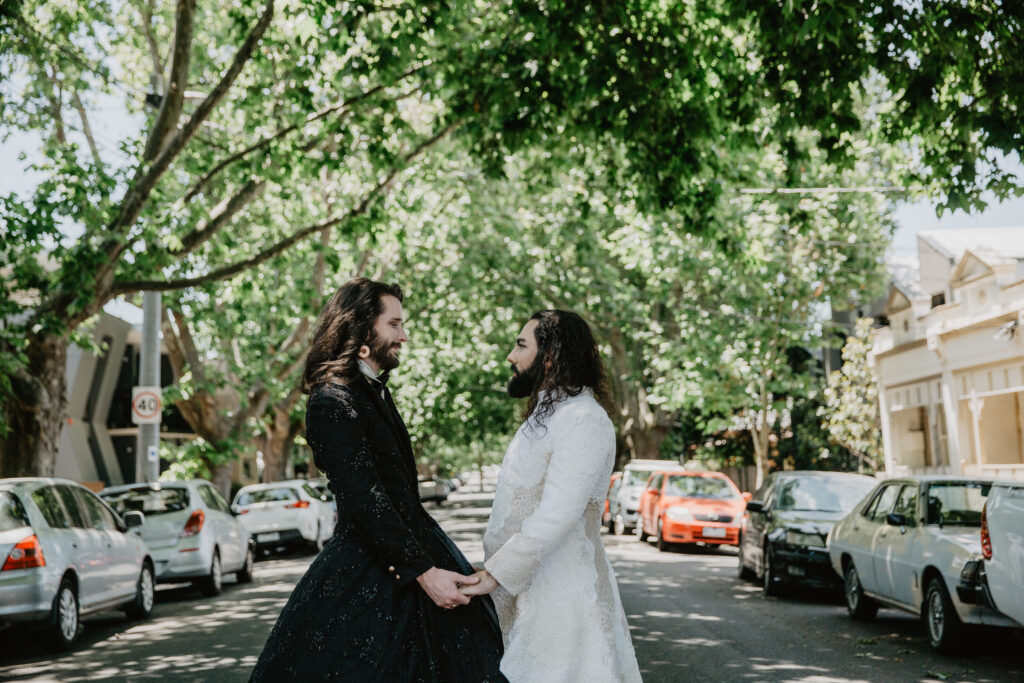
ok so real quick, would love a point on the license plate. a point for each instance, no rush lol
(713, 532)
(266, 538)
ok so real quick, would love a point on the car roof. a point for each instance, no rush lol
(938, 478)
(652, 465)
(156, 485)
(274, 485)
(819, 473)
(34, 482)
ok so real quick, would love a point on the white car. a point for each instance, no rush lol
(998, 579)
(906, 547)
(285, 513)
(65, 554)
(190, 530)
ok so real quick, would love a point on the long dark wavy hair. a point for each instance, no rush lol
(567, 347)
(345, 324)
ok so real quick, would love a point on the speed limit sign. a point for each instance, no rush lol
(146, 405)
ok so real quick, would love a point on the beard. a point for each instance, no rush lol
(526, 382)
(383, 353)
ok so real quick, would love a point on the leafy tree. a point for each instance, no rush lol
(849, 411)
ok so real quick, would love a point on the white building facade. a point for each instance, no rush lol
(950, 363)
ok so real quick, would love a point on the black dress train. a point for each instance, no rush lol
(358, 613)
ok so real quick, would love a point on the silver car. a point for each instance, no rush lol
(190, 530)
(64, 555)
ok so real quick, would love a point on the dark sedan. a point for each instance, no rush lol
(782, 535)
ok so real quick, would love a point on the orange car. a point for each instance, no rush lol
(691, 507)
(613, 487)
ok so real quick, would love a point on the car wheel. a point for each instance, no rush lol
(212, 584)
(65, 625)
(743, 571)
(145, 595)
(769, 579)
(619, 525)
(641, 535)
(945, 630)
(858, 605)
(244, 575)
(317, 544)
(662, 545)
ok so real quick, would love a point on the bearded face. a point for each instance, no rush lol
(384, 353)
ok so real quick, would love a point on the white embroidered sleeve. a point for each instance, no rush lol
(581, 443)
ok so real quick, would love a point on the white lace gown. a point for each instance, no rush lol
(559, 607)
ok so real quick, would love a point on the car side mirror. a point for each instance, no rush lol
(755, 506)
(895, 519)
(747, 496)
(655, 492)
(134, 519)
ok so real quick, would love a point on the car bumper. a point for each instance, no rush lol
(703, 532)
(276, 537)
(26, 595)
(809, 566)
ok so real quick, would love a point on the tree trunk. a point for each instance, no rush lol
(276, 442)
(36, 411)
(221, 476)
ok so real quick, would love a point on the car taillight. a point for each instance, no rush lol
(27, 554)
(986, 540)
(298, 504)
(194, 524)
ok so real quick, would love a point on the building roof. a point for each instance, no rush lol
(1007, 242)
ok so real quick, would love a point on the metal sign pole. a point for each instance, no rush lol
(147, 458)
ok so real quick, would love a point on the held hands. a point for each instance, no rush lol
(483, 585)
(442, 586)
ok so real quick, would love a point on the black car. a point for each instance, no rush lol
(782, 535)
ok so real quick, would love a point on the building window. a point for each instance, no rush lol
(938, 299)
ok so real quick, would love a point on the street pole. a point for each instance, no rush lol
(147, 460)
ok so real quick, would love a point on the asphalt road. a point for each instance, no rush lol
(691, 620)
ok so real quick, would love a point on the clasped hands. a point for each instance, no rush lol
(451, 589)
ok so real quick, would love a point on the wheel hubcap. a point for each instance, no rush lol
(216, 575)
(249, 559)
(147, 589)
(620, 525)
(852, 589)
(68, 614)
(936, 616)
(767, 573)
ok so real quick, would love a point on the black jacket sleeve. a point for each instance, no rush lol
(341, 448)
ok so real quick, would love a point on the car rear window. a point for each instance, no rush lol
(265, 496)
(148, 501)
(956, 503)
(699, 487)
(12, 514)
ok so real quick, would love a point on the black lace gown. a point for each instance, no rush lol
(358, 613)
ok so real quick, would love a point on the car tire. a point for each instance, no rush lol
(211, 585)
(317, 544)
(145, 595)
(941, 622)
(858, 605)
(641, 535)
(743, 572)
(619, 525)
(65, 625)
(244, 575)
(770, 582)
(662, 545)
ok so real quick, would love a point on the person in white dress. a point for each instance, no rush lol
(546, 568)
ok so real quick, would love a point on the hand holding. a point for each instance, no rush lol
(442, 586)
(485, 584)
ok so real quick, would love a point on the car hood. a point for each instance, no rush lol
(807, 521)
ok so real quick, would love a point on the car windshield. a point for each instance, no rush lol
(148, 501)
(690, 486)
(821, 494)
(957, 503)
(636, 477)
(12, 514)
(265, 496)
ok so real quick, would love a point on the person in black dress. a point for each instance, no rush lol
(381, 601)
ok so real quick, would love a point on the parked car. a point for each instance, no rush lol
(613, 489)
(997, 579)
(623, 507)
(679, 506)
(784, 527)
(431, 490)
(191, 532)
(65, 555)
(285, 513)
(325, 492)
(906, 547)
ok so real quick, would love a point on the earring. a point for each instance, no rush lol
(364, 351)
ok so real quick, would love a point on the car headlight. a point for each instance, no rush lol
(679, 514)
(806, 540)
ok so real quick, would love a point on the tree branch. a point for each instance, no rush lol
(173, 101)
(147, 28)
(220, 216)
(229, 271)
(327, 111)
(76, 101)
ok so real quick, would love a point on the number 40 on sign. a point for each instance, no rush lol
(147, 403)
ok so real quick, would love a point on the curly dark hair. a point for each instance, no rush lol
(565, 342)
(345, 324)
